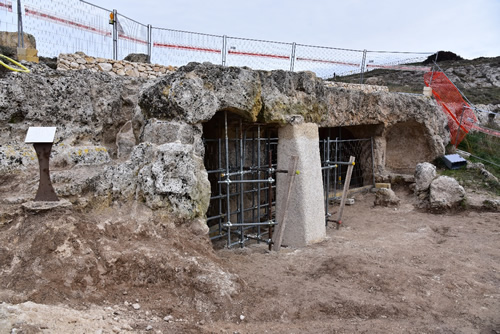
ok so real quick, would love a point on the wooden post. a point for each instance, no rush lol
(280, 228)
(346, 189)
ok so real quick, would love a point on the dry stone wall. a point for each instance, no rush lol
(80, 61)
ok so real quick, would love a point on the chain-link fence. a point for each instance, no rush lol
(67, 26)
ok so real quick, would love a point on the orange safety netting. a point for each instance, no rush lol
(461, 118)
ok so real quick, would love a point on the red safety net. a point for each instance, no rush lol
(461, 117)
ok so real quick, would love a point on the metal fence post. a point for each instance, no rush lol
(115, 34)
(363, 63)
(292, 58)
(20, 32)
(150, 44)
(224, 50)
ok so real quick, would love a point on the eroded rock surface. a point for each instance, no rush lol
(445, 193)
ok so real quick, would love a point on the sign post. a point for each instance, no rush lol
(42, 139)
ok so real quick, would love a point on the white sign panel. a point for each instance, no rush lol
(40, 135)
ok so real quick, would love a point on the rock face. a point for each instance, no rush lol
(195, 92)
(446, 193)
(142, 139)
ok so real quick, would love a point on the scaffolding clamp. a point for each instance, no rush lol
(227, 181)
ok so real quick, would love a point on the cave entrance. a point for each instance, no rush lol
(241, 160)
(336, 146)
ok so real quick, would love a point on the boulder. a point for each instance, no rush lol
(386, 197)
(424, 174)
(446, 193)
(137, 58)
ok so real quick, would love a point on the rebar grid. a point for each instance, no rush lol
(241, 164)
(334, 156)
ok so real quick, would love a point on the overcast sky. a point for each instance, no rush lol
(470, 28)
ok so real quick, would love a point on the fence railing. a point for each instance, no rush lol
(67, 26)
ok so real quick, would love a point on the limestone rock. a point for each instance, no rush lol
(88, 109)
(17, 156)
(137, 58)
(376, 81)
(445, 193)
(125, 140)
(176, 179)
(105, 67)
(386, 197)
(424, 174)
(80, 155)
(41, 206)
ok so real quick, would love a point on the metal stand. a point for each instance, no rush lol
(45, 190)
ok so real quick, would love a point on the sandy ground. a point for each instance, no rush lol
(386, 270)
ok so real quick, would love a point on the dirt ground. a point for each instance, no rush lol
(386, 270)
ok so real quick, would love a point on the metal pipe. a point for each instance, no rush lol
(270, 180)
(242, 195)
(373, 162)
(271, 223)
(20, 31)
(269, 193)
(115, 34)
(327, 177)
(219, 186)
(240, 172)
(292, 57)
(150, 44)
(228, 199)
(224, 50)
(259, 207)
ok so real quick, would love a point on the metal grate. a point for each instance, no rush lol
(241, 162)
(335, 154)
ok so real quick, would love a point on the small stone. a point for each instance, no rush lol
(116, 329)
(125, 293)
(126, 303)
(168, 318)
(242, 317)
(136, 306)
(149, 328)
(105, 67)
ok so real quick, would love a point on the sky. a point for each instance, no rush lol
(470, 28)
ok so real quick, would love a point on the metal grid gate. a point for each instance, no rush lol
(241, 161)
(335, 154)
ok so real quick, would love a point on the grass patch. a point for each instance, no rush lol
(472, 179)
(485, 147)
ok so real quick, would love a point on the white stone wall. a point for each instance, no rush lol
(80, 61)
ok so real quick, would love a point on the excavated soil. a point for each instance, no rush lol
(386, 270)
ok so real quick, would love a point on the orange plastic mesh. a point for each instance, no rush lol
(461, 117)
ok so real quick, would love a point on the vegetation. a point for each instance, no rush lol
(485, 148)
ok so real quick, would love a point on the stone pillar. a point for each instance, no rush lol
(306, 213)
